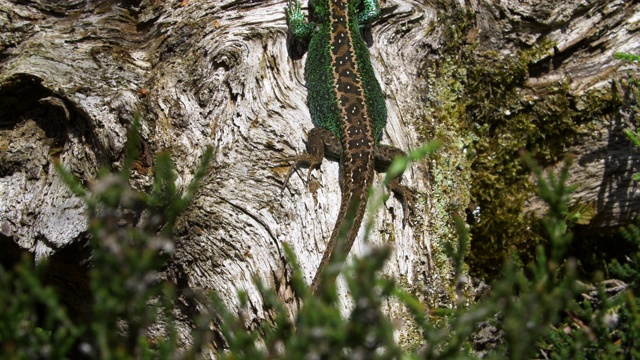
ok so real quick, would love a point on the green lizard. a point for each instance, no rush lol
(348, 108)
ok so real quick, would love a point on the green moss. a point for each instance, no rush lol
(544, 127)
(485, 113)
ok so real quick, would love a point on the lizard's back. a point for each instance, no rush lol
(339, 72)
(344, 98)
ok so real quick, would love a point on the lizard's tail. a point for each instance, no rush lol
(352, 209)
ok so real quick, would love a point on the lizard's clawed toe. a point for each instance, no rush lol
(305, 159)
(406, 197)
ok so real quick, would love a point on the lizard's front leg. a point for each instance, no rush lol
(383, 157)
(319, 142)
(371, 12)
(299, 28)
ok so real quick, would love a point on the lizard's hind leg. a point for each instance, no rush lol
(384, 156)
(319, 142)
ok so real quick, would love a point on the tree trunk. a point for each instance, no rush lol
(227, 74)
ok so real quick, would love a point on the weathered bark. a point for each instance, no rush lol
(586, 37)
(225, 74)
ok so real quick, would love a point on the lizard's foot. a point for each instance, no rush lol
(320, 142)
(300, 29)
(370, 13)
(294, 12)
(306, 159)
(384, 156)
(406, 196)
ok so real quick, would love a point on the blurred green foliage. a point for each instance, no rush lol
(534, 308)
